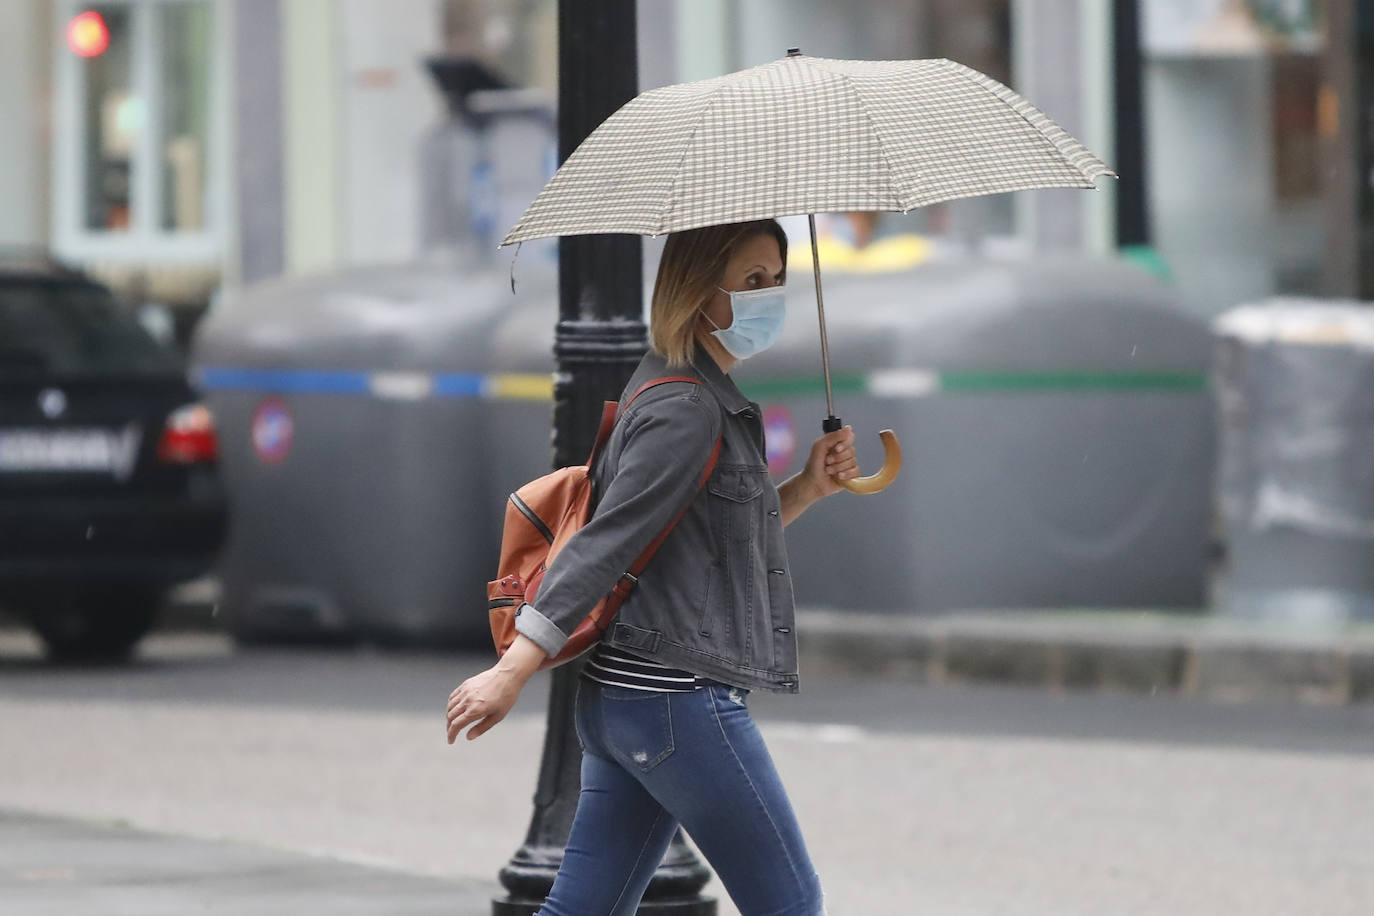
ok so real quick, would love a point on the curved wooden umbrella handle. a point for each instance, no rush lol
(892, 463)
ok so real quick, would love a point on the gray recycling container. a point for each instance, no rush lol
(353, 411)
(1295, 381)
(1057, 428)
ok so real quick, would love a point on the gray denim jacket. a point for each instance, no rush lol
(716, 599)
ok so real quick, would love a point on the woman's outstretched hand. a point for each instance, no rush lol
(484, 699)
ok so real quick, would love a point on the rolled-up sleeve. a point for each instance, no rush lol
(666, 447)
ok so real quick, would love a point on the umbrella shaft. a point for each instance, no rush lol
(820, 310)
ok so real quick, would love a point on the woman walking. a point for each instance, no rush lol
(662, 710)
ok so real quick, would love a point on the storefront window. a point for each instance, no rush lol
(135, 128)
(184, 31)
(113, 113)
(1232, 90)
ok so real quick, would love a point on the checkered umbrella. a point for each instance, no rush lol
(805, 135)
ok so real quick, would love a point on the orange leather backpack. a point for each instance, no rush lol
(540, 518)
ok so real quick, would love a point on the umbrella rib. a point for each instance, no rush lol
(873, 125)
(686, 148)
(1017, 104)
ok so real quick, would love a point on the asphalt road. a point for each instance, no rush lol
(914, 799)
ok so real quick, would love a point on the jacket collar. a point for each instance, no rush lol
(704, 367)
(721, 385)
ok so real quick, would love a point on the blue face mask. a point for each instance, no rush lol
(757, 324)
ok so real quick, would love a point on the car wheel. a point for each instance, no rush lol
(96, 625)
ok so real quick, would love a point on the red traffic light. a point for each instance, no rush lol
(87, 34)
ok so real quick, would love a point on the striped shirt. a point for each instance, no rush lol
(620, 669)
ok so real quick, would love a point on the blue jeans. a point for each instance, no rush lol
(652, 761)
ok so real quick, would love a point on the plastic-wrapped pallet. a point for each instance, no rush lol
(1295, 380)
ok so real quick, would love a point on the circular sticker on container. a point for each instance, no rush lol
(273, 430)
(780, 435)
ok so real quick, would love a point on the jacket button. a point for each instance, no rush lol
(784, 629)
(778, 572)
(773, 512)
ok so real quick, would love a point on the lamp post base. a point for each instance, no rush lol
(672, 891)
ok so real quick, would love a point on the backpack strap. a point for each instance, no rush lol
(660, 381)
(626, 583)
(603, 435)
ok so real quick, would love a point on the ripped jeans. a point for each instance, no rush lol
(652, 761)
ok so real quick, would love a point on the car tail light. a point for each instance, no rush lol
(189, 437)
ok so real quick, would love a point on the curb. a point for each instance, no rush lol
(1211, 657)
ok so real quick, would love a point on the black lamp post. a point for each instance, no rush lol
(1132, 198)
(599, 342)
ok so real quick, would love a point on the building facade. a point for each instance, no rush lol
(176, 146)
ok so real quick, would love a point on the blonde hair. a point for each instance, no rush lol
(689, 272)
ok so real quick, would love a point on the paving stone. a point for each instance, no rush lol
(1146, 669)
(1001, 661)
(1270, 672)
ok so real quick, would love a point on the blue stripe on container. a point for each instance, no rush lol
(459, 384)
(293, 381)
(308, 381)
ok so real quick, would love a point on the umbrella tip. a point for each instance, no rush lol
(794, 52)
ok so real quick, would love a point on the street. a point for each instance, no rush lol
(914, 799)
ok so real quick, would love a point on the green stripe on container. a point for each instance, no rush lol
(764, 389)
(1072, 381)
(967, 381)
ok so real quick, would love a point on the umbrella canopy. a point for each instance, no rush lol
(804, 135)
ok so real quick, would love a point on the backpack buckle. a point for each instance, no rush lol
(625, 584)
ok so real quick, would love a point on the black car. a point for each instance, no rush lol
(109, 486)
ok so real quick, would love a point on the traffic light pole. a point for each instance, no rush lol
(599, 341)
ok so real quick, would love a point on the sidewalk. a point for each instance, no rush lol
(988, 801)
(1206, 655)
(80, 868)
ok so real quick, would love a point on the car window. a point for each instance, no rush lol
(73, 328)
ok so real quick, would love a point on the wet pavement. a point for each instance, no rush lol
(205, 778)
